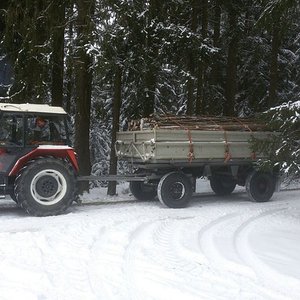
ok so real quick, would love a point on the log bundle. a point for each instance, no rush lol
(205, 123)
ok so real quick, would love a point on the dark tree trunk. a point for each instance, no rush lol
(215, 73)
(83, 80)
(58, 53)
(190, 105)
(111, 190)
(3, 8)
(272, 99)
(69, 71)
(150, 83)
(152, 53)
(230, 85)
(34, 71)
(200, 101)
(190, 84)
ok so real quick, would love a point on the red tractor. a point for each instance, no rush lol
(37, 167)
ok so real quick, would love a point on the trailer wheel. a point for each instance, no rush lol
(260, 186)
(142, 191)
(174, 190)
(222, 185)
(45, 187)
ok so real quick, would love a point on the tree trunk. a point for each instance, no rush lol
(111, 190)
(83, 79)
(272, 99)
(190, 105)
(190, 84)
(3, 8)
(35, 71)
(200, 101)
(215, 73)
(58, 53)
(70, 71)
(150, 84)
(151, 60)
(230, 85)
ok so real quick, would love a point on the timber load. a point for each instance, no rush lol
(197, 123)
(178, 140)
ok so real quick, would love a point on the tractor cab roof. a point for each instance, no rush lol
(32, 108)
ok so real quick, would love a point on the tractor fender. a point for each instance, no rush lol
(64, 152)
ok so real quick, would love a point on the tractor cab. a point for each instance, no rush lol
(24, 127)
(29, 125)
(34, 134)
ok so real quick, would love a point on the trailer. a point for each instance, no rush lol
(39, 168)
(173, 152)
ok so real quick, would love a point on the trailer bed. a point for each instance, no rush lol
(184, 145)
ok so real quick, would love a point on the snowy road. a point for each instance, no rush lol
(226, 248)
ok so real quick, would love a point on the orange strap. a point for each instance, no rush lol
(191, 154)
(227, 154)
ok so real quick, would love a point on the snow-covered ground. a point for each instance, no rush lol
(217, 248)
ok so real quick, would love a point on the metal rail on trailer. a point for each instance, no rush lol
(113, 178)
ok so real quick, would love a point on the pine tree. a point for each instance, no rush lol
(83, 91)
(282, 148)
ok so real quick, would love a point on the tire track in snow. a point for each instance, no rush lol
(109, 276)
(134, 261)
(133, 274)
(219, 237)
(66, 259)
(103, 269)
(170, 269)
(21, 278)
(270, 277)
(207, 241)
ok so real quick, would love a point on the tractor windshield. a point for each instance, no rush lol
(11, 130)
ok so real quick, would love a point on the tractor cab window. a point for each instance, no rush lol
(46, 130)
(11, 130)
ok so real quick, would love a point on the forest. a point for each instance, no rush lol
(108, 61)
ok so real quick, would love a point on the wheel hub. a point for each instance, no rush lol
(46, 186)
(177, 190)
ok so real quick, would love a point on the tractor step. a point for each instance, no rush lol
(2, 190)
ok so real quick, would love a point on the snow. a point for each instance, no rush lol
(120, 248)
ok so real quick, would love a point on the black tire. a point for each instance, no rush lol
(260, 186)
(142, 191)
(222, 185)
(174, 190)
(45, 187)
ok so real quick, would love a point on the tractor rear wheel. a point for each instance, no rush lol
(45, 186)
